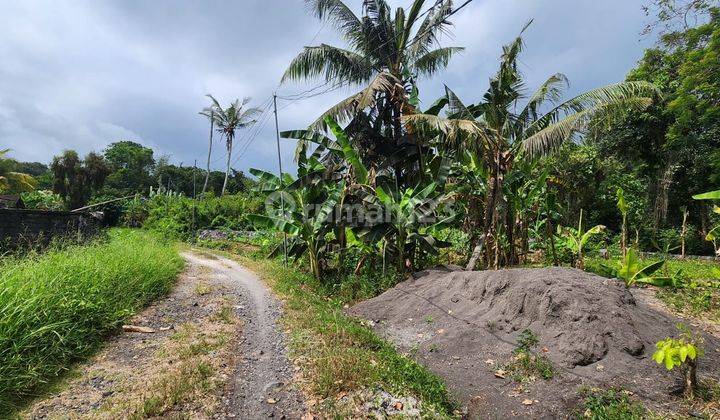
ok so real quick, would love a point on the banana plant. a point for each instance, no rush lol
(714, 233)
(577, 239)
(302, 210)
(407, 220)
(631, 270)
(341, 148)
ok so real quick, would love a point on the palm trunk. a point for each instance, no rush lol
(207, 174)
(227, 168)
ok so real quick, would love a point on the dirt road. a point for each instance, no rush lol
(261, 386)
(214, 351)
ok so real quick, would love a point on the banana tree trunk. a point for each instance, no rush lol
(314, 261)
(401, 238)
(207, 173)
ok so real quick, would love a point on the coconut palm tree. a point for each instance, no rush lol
(11, 181)
(210, 114)
(386, 53)
(228, 121)
(499, 132)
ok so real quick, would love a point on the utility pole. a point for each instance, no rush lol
(282, 199)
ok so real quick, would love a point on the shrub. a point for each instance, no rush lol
(43, 200)
(681, 353)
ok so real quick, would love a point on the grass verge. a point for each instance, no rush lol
(337, 355)
(58, 306)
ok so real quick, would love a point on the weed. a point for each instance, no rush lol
(526, 341)
(525, 366)
(225, 314)
(429, 319)
(611, 404)
(202, 289)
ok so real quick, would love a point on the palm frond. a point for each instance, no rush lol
(456, 108)
(433, 25)
(410, 21)
(340, 16)
(348, 107)
(331, 62)
(550, 91)
(432, 61)
(550, 137)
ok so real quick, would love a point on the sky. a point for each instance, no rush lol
(81, 74)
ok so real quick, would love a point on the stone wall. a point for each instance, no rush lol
(31, 228)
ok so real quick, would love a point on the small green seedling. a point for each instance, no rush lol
(681, 353)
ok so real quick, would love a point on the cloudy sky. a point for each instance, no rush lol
(80, 74)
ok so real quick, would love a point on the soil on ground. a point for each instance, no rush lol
(465, 327)
(214, 352)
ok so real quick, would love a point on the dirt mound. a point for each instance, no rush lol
(593, 329)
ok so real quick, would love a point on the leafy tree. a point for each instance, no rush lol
(681, 352)
(228, 121)
(675, 143)
(12, 181)
(673, 16)
(76, 180)
(131, 165)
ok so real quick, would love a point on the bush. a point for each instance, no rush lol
(43, 200)
(173, 215)
(57, 307)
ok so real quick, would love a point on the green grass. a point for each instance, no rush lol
(57, 307)
(336, 352)
(691, 269)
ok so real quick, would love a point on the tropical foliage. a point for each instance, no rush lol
(11, 180)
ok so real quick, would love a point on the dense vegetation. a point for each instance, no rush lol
(57, 307)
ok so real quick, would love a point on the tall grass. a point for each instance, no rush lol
(56, 307)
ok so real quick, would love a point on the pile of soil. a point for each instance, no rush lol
(464, 325)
